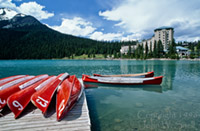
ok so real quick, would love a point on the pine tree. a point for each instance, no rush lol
(172, 50)
(129, 51)
(160, 49)
(198, 49)
(146, 51)
(150, 52)
(141, 52)
(155, 50)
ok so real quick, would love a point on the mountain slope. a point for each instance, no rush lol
(6, 14)
(24, 37)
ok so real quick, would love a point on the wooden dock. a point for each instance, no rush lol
(76, 120)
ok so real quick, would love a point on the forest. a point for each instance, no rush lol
(144, 52)
(41, 42)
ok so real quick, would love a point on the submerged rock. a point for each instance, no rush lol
(139, 104)
(117, 120)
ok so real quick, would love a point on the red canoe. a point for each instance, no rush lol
(67, 94)
(42, 98)
(10, 79)
(18, 101)
(5, 93)
(141, 75)
(14, 82)
(123, 81)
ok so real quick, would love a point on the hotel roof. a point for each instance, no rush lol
(181, 48)
(164, 27)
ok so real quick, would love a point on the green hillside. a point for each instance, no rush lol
(37, 41)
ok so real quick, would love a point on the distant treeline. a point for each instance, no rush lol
(40, 42)
(44, 43)
(145, 52)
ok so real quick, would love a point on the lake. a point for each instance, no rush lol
(174, 105)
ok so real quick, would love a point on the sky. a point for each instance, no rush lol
(114, 20)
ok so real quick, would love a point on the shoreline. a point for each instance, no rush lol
(161, 59)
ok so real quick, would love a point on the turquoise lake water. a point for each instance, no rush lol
(174, 105)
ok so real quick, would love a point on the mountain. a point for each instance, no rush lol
(6, 14)
(24, 37)
(12, 19)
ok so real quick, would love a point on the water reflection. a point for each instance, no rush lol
(164, 68)
(172, 106)
(151, 88)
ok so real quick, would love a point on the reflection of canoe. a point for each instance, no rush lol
(67, 94)
(5, 93)
(151, 88)
(18, 101)
(142, 75)
(123, 80)
(42, 98)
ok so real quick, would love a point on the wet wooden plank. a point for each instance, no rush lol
(77, 119)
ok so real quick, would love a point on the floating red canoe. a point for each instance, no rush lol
(141, 75)
(18, 101)
(123, 81)
(42, 98)
(10, 79)
(67, 94)
(5, 93)
(14, 82)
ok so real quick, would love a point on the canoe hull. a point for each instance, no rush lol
(5, 93)
(18, 101)
(6, 80)
(67, 95)
(141, 75)
(42, 98)
(123, 81)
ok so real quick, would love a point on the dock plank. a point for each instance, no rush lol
(77, 119)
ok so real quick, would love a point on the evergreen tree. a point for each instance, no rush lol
(155, 50)
(146, 51)
(141, 52)
(198, 49)
(129, 51)
(160, 48)
(150, 52)
(172, 50)
(115, 54)
(105, 55)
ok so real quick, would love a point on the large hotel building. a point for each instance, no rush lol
(165, 34)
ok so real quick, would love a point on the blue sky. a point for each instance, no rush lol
(114, 19)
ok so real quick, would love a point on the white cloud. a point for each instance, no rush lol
(7, 4)
(132, 37)
(29, 8)
(143, 16)
(80, 27)
(34, 9)
(106, 37)
(76, 26)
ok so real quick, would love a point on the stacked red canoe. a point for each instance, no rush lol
(18, 91)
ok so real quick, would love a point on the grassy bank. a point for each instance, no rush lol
(84, 56)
